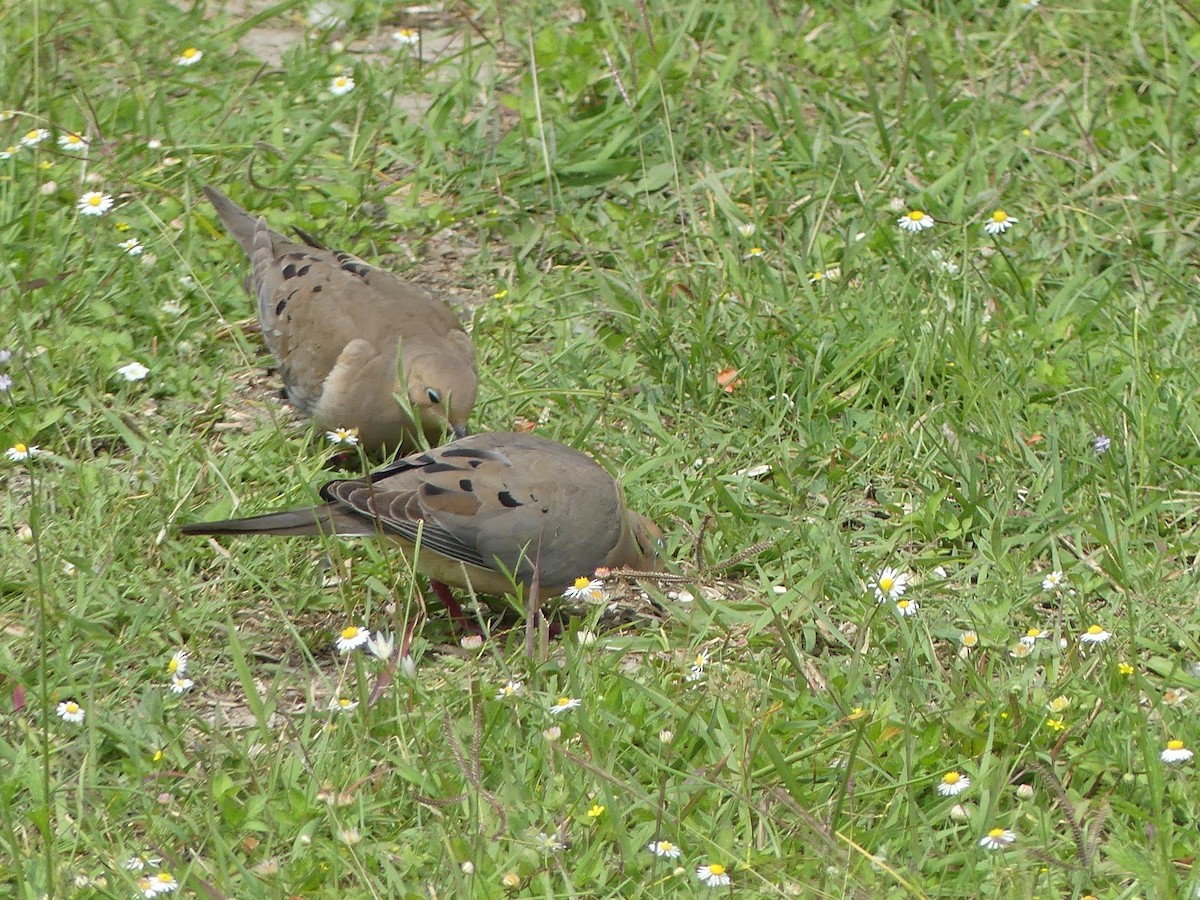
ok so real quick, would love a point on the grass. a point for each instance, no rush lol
(584, 179)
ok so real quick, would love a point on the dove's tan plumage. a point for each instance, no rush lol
(335, 323)
(483, 506)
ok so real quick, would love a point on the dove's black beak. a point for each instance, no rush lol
(460, 431)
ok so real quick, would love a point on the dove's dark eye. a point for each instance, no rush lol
(434, 396)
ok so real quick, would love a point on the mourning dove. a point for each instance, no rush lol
(482, 507)
(334, 324)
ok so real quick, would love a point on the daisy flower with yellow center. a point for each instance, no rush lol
(509, 690)
(343, 436)
(1055, 581)
(969, 639)
(189, 57)
(585, 588)
(665, 849)
(341, 704)
(33, 137)
(164, 883)
(342, 84)
(755, 253)
(406, 37)
(907, 607)
(713, 875)
(997, 839)
(132, 246)
(915, 220)
(953, 784)
(181, 685)
(562, 704)
(10, 151)
(94, 203)
(73, 143)
(22, 452)
(1032, 636)
(999, 222)
(1094, 635)
(70, 711)
(351, 638)
(1175, 753)
(889, 584)
(178, 663)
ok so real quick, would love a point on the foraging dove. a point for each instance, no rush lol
(482, 507)
(334, 324)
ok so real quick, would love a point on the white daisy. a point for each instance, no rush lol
(1094, 635)
(1175, 753)
(969, 639)
(94, 203)
(999, 223)
(133, 371)
(585, 588)
(664, 848)
(33, 137)
(712, 875)
(70, 711)
(889, 584)
(342, 84)
(22, 452)
(137, 863)
(509, 690)
(73, 143)
(132, 246)
(351, 638)
(346, 436)
(1055, 581)
(406, 37)
(997, 839)
(915, 220)
(907, 607)
(10, 151)
(178, 664)
(341, 704)
(181, 685)
(562, 704)
(747, 229)
(953, 784)
(189, 57)
(1033, 635)
(164, 883)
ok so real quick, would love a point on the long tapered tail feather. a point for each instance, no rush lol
(303, 520)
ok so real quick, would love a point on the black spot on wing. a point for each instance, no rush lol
(279, 307)
(317, 288)
(303, 270)
(507, 499)
(289, 271)
(466, 485)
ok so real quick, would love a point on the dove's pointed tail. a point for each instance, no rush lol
(303, 520)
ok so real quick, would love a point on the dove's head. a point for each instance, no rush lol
(441, 389)
(645, 544)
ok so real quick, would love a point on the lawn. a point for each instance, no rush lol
(884, 312)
